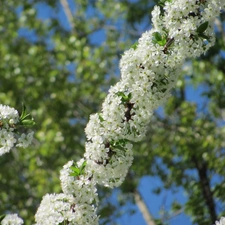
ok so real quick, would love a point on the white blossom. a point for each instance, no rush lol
(7, 141)
(9, 137)
(8, 114)
(221, 222)
(58, 208)
(83, 188)
(25, 140)
(110, 168)
(12, 219)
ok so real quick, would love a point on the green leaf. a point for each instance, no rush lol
(157, 190)
(156, 37)
(24, 118)
(120, 93)
(159, 39)
(100, 117)
(23, 111)
(27, 122)
(83, 167)
(203, 36)
(77, 171)
(74, 174)
(202, 28)
(134, 46)
(120, 144)
(176, 206)
(162, 2)
(2, 217)
(125, 98)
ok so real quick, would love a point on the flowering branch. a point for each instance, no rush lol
(10, 121)
(149, 70)
(10, 136)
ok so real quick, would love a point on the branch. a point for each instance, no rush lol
(202, 169)
(177, 213)
(68, 12)
(143, 208)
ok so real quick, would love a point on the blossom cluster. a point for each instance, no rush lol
(149, 71)
(221, 222)
(12, 219)
(9, 135)
(76, 205)
(59, 208)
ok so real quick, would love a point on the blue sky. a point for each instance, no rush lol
(156, 203)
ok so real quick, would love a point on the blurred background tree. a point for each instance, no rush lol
(60, 57)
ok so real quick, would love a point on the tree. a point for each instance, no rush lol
(36, 69)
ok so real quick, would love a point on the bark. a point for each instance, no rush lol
(206, 189)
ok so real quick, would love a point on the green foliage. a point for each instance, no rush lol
(77, 171)
(159, 39)
(25, 118)
(142, 9)
(124, 98)
(201, 29)
(134, 46)
(176, 206)
(119, 144)
(163, 2)
(2, 217)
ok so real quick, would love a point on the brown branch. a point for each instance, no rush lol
(205, 185)
(143, 208)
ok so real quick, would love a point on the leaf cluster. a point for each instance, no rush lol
(77, 171)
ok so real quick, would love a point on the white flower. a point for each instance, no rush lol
(82, 187)
(7, 141)
(221, 222)
(8, 114)
(111, 167)
(58, 208)
(25, 140)
(55, 209)
(9, 117)
(12, 219)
